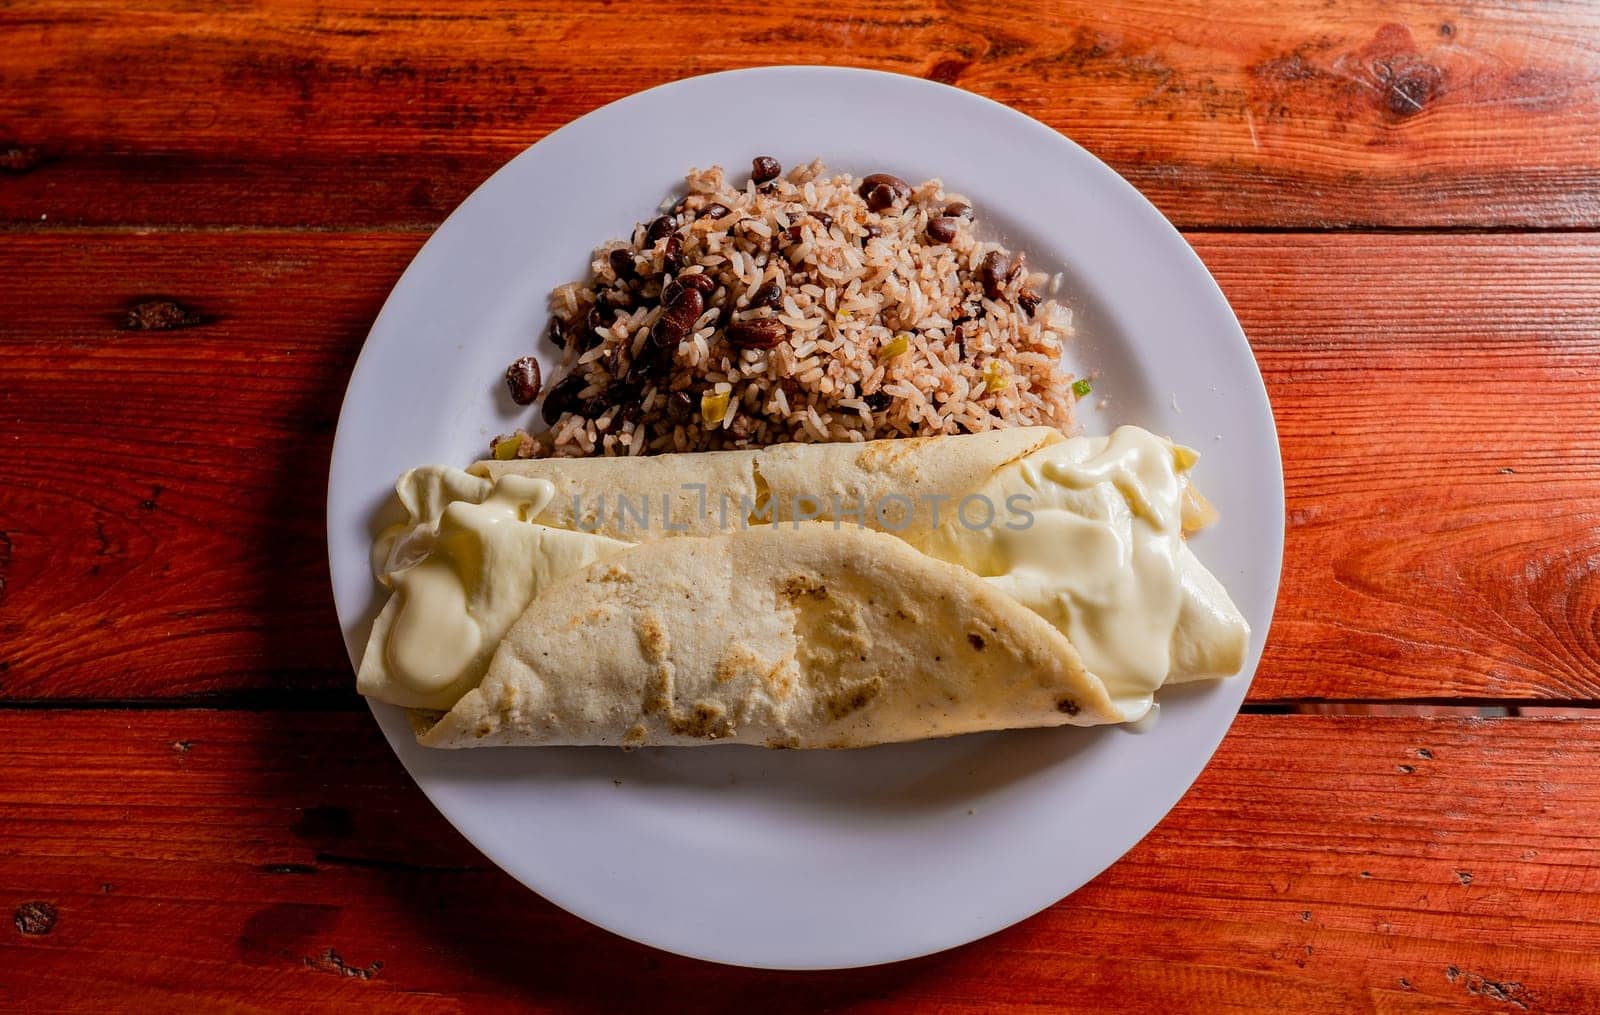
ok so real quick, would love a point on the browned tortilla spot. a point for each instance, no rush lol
(804, 585)
(851, 698)
(708, 720)
(653, 637)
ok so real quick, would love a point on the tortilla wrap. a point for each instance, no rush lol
(819, 477)
(728, 615)
(781, 637)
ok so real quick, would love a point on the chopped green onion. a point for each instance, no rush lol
(1081, 388)
(897, 346)
(506, 448)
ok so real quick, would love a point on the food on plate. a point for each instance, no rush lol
(797, 306)
(812, 596)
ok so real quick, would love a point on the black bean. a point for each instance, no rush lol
(562, 397)
(622, 263)
(658, 229)
(768, 294)
(869, 233)
(680, 405)
(1016, 270)
(613, 300)
(880, 190)
(677, 316)
(764, 168)
(703, 283)
(959, 210)
(942, 229)
(960, 335)
(672, 257)
(594, 408)
(1029, 301)
(823, 217)
(715, 210)
(614, 358)
(758, 334)
(671, 292)
(578, 330)
(992, 273)
(558, 337)
(591, 324)
(522, 379)
(653, 361)
(630, 413)
(878, 400)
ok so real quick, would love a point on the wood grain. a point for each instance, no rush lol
(1433, 398)
(1247, 113)
(284, 861)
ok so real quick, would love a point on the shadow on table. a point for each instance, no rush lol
(384, 891)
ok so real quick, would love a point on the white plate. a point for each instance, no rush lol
(797, 859)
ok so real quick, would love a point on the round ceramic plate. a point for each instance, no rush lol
(796, 859)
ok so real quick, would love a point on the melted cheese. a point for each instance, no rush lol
(463, 567)
(1089, 535)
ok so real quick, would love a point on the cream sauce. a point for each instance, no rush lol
(463, 567)
(1103, 559)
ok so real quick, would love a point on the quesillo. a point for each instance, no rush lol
(834, 595)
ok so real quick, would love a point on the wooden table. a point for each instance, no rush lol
(204, 206)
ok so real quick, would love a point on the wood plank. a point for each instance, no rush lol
(1242, 113)
(1432, 394)
(282, 860)
(1434, 399)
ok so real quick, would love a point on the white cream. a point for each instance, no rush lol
(1103, 559)
(463, 566)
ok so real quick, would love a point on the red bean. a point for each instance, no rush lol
(942, 229)
(757, 334)
(768, 294)
(522, 379)
(992, 271)
(703, 283)
(622, 263)
(880, 190)
(657, 229)
(764, 169)
(677, 316)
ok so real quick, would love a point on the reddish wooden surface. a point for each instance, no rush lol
(1448, 552)
(202, 207)
(1252, 112)
(1320, 864)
